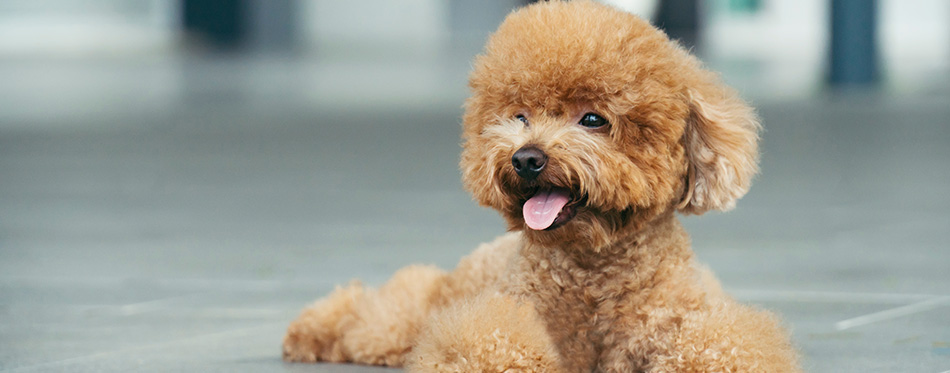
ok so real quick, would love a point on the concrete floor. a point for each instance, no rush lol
(174, 214)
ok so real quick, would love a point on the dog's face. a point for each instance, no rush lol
(586, 122)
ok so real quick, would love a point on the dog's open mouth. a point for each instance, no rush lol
(550, 208)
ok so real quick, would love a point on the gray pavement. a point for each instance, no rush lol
(175, 213)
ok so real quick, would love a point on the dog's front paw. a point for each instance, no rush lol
(492, 333)
(308, 348)
(317, 334)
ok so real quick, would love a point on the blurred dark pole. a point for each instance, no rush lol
(218, 23)
(680, 20)
(853, 43)
(260, 25)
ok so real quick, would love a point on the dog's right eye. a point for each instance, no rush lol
(523, 119)
(591, 120)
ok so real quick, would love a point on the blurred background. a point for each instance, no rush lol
(178, 178)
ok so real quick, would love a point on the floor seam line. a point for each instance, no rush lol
(893, 313)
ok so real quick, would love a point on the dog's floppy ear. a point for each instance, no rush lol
(721, 139)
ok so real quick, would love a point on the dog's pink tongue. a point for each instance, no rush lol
(541, 210)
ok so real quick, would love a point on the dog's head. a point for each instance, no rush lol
(585, 122)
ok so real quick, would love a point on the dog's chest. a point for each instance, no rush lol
(585, 311)
(595, 316)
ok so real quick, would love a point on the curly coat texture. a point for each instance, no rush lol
(612, 288)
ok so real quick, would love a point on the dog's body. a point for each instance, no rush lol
(587, 130)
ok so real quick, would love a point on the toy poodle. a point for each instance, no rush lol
(587, 129)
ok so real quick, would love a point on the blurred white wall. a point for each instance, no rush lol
(61, 27)
(642, 8)
(780, 46)
(915, 40)
(415, 26)
(342, 26)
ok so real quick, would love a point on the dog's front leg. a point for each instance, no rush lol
(378, 327)
(368, 326)
(729, 337)
(492, 332)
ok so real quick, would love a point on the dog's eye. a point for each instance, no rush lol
(591, 120)
(523, 119)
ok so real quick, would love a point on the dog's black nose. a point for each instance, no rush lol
(528, 162)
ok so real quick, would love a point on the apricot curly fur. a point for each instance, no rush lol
(615, 286)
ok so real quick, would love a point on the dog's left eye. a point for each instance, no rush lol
(591, 120)
(522, 118)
